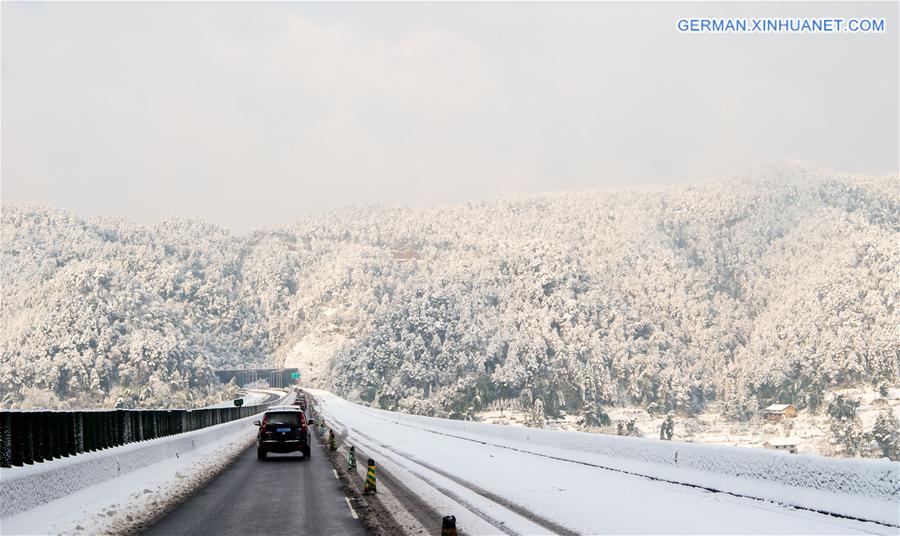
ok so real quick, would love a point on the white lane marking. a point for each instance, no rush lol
(335, 474)
(352, 511)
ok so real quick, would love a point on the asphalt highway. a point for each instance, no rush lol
(283, 494)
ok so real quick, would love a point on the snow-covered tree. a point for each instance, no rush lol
(774, 285)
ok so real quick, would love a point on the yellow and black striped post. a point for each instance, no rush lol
(448, 526)
(351, 458)
(332, 446)
(370, 479)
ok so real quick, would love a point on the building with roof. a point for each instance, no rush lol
(788, 444)
(778, 412)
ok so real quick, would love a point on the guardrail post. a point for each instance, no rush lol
(87, 421)
(28, 421)
(100, 429)
(37, 436)
(139, 425)
(90, 439)
(62, 435)
(5, 439)
(150, 425)
(177, 421)
(108, 430)
(113, 428)
(78, 429)
(56, 433)
(18, 438)
(68, 424)
(96, 431)
(90, 431)
(124, 424)
(28, 436)
(49, 435)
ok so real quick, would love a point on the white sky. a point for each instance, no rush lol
(255, 114)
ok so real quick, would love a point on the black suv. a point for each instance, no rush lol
(283, 429)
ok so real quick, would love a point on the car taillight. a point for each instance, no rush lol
(262, 426)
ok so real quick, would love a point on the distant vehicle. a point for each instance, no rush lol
(283, 429)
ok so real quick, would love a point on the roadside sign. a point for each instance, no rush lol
(295, 375)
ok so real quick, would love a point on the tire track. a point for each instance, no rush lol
(517, 509)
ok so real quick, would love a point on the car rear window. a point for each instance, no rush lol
(284, 419)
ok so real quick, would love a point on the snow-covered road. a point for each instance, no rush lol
(501, 486)
(252, 397)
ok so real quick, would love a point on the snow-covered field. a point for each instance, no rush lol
(116, 490)
(811, 432)
(517, 480)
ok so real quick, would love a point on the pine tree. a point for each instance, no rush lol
(592, 415)
(537, 419)
(667, 430)
(886, 433)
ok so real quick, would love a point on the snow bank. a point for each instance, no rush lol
(858, 488)
(24, 488)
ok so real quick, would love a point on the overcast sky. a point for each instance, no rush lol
(255, 114)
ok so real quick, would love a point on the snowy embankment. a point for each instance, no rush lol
(119, 488)
(530, 480)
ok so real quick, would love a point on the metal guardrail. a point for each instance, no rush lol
(28, 437)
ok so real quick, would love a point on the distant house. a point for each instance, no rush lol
(778, 412)
(788, 444)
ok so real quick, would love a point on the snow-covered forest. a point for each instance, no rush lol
(773, 285)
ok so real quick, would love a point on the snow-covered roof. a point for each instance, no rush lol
(783, 442)
(779, 407)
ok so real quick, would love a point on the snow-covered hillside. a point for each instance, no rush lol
(771, 286)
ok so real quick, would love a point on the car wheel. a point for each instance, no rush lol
(306, 452)
(260, 454)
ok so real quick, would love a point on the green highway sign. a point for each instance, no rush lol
(295, 375)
